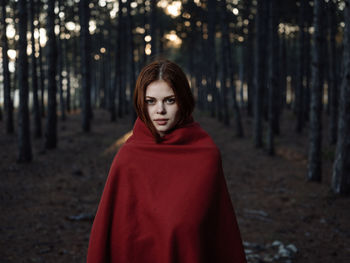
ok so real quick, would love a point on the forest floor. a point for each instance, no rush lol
(47, 206)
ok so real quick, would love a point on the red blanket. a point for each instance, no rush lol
(166, 203)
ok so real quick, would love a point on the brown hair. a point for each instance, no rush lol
(173, 75)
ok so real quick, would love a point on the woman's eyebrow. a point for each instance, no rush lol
(167, 97)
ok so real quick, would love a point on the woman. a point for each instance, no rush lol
(165, 200)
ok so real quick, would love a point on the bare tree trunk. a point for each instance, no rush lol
(51, 125)
(225, 42)
(6, 73)
(118, 63)
(84, 13)
(131, 60)
(333, 80)
(283, 71)
(212, 57)
(273, 75)
(36, 105)
(341, 168)
(259, 78)
(24, 143)
(315, 148)
(299, 89)
(42, 72)
(60, 62)
(154, 27)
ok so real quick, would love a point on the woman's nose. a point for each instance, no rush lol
(160, 108)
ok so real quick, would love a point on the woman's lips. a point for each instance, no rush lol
(161, 121)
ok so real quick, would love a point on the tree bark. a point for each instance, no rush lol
(60, 62)
(8, 106)
(24, 143)
(84, 14)
(259, 73)
(333, 80)
(341, 168)
(36, 105)
(315, 146)
(51, 124)
(212, 57)
(131, 60)
(225, 48)
(299, 89)
(273, 76)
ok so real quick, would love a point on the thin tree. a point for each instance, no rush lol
(131, 58)
(225, 43)
(118, 64)
(273, 75)
(333, 80)
(211, 80)
(84, 15)
(61, 61)
(299, 89)
(259, 73)
(315, 141)
(24, 143)
(6, 74)
(34, 73)
(153, 28)
(51, 123)
(41, 67)
(341, 168)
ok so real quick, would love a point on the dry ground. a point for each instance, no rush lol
(47, 205)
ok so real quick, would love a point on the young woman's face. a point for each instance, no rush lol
(161, 106)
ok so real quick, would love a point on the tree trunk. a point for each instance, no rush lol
(131, 61)
(273, 75)
(153, 28)
(283, 71)
(118, 64)
(60, 62)
(315, 147)
(51, 124)
(6, 73)
(225, 42)
(36, 105)
(84, 14)
(212, 57)
(333, 80)
(259, 77)
(299, 89)
(341, 168)
(24, 143)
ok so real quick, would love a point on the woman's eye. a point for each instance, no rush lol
(150, 101)
(170, 100)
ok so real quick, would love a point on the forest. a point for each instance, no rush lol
(271, 81)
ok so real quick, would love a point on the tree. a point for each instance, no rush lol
(36, 106)
(299, 89)
(341, 168)
(51, 123)
(154, 27)
(212, 56)
(61, 60)
(259, 73)
(225, 43)
(131, 58)
(333, 80)
(24, 144)
(6, 73)
(273, 86)
(315, 141)
(84, 15)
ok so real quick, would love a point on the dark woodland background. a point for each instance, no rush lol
(271, 82)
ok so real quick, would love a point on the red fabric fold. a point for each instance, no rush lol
(166, 203)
